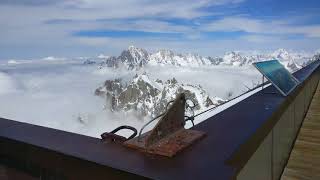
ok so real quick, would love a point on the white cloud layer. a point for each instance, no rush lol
(57, 92)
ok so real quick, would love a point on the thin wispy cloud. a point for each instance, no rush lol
(87, 27)
(252, 25)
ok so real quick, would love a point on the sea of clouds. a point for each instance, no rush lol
(60, 93)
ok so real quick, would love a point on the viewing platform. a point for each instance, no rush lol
(251, 140)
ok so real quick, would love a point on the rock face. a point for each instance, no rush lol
(89, 62)
(110, 62)
(150, 98)
(215, 60)
(132, 58)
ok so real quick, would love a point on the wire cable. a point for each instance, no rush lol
(191, 118)
(250, 90)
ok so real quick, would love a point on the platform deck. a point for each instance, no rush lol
(304, 161)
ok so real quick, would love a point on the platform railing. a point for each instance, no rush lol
(271, 157)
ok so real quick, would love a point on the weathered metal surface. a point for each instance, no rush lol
(169, 136)
(168, 146)
(172, 121)
(113, 137)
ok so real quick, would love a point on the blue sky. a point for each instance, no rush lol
(68, 28)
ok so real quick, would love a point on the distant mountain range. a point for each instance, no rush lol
(136, 58)
(149, 98)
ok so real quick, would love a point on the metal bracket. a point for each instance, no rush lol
(169, 136)
(113, 137)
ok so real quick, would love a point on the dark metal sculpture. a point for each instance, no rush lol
(167, 138)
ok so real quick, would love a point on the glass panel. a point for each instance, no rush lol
(278, 75)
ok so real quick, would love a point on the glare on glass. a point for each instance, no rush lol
(278, 75)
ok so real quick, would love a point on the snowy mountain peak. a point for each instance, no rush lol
(163, 57)
(133, 58)
(102, 56)
(232, 55)
(281, 54)
(165, 53)
(234, 58)
(137, 52)
(168, 57)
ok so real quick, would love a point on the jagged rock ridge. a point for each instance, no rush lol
(150, 98)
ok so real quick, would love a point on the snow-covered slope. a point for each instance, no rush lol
(136, 58)
(167, 57)
(292, 61)
(234, 58)
(287, 59)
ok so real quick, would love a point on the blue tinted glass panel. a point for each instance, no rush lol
(279, 76)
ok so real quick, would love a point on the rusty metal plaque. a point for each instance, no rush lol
(168, 146)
